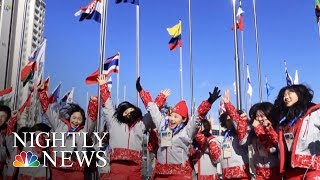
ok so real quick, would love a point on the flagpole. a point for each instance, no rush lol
(236, 57)
(244, 72)
(181, 77)
(257, 49)
(118, 80)
(137, 49)
(102, 53)
(190, 51)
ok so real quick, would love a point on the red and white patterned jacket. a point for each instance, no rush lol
(206, 157)
(125, 141)
(265, 156)
(305, 147)
(63, 125)
(236, 166)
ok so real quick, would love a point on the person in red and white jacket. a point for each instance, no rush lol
(234, 156)
(176, 134)
(299, 132)
(74, 120)
(207, 153)
(264, 141)
(126, 126)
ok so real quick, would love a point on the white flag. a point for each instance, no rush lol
(296, 78)
(70, 97)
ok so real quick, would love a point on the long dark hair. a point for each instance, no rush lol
(223, 121)
(7, 110)
(135, 115)
(305, 96)
(67, 110)
(266, 108)
(207, 128)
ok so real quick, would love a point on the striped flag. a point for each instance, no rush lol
(288, 77)
(6, 96)
(110, 65)
(109, 83)
(136, 2)
(55, 94)
(268, 87)
(175, 33)
(91, 11)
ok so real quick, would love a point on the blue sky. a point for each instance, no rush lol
(287, 31)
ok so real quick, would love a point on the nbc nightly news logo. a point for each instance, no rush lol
(27, 159)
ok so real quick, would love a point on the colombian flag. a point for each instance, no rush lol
(175, 32)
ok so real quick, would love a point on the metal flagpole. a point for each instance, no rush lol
(244, 72)
(236, 56)
(118, 81)
(102, 52)
(190, 51)
(319, 28)
(137, 49)
(257, 49)
(181, 76)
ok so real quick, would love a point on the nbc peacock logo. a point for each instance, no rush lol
(26, 159)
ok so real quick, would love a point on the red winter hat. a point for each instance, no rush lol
(181, 108)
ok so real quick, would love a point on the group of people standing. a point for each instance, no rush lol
(285, 137)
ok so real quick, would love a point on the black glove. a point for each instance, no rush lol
(214, 95)
(138, 85)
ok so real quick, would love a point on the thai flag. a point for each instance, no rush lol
(288, 77)
(110, 65)
(92, 11)
(136, 2)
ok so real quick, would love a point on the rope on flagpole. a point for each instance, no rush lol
(236, 57)
(190, 51)
(118, 81)
(137, 49)
(257, 49)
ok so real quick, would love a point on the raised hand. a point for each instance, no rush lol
(214, 95)
(226, 97)
(138, 85)
(102, 79)
(14, 113)
(166, 92)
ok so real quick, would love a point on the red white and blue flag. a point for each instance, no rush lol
(55, 94)
(92, 11)
(110, 65)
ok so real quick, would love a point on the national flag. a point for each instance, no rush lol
(91, 11)
(136, 2)
(240, 24)
(67, 98)
(46, 84)
(288, 77)
(28, 71)
(6, 96)
(109, 83)
(222, 108)
(268, 87)
(249, 91)
(110, 65)
(296, 78)
(175, 33)
(317, 10)
(40, 58)
(55, 95)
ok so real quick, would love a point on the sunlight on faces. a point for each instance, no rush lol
(290, 98)
(127, 112)
(3, 117)
(175, 119)
(76, 119)
(260, 116)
